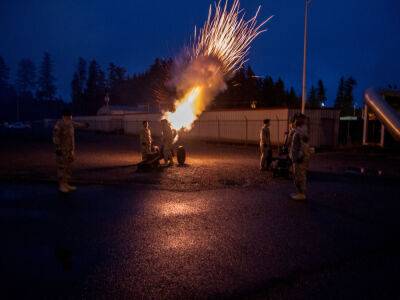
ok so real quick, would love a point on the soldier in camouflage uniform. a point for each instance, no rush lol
(168, 136)
(265, 146)
(64, 141)
(145, 140)
(300, 155)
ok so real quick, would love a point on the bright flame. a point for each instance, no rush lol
(186, 110)
(218, 50)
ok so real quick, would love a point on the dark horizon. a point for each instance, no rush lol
(358, 39)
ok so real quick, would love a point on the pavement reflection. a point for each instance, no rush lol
(182, 208)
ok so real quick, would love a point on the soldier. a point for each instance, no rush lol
(64, 141)
(265, 146)
(168, 135)
(290, 132)
(300, 156)
(145, 140)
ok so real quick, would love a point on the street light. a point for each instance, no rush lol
(304, 87)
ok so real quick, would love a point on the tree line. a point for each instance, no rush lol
(33, 94)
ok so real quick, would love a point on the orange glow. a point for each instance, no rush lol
(217, 51)
(187, 110)
(182, 241)
(180, 209)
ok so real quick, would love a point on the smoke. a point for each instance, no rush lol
(218, 49)
(204, 73)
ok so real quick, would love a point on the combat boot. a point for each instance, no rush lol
(298, 196)
(70, 187)
(62, 187)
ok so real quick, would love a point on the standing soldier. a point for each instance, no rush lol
(64, 141)
(290, 132)
(300, 155)
(265, 146)
(145, 140)
(168, 135)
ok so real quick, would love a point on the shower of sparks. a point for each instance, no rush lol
(218, 50)
(227, 36)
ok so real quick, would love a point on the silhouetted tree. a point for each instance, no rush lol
(280, 93)
(312, 98)
(292, 99)
(251, 88)
(267, 92)
(339, 101)
(116, 75)
(46, 83)
(26, 77)
(321, 93)
(344, 97)
(25, 84)
(4, 73)
(7, 93)
(78, 87)
(95, 88)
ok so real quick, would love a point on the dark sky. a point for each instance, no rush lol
(346, 37)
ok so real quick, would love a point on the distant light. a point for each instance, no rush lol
(322, 104)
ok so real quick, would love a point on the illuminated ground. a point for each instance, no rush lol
(111, 159)
(219, 236)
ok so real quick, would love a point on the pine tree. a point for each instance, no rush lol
(268, 92)
(344, 98)
(7, 96)
(312, 98)
(78, 87)
(95, 88)
(339, 101)
(321, 94)
(236, 96)
(349, 85)
(292, 99)
(280, 93)
(251, 88)
(46, 83)
(26, 77)
(4, 73)
(116, 75)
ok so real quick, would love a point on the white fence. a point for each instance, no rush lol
(241, 126)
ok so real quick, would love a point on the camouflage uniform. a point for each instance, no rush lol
(300, 155)
(145, 142)
(167, 140)
(64, 141)
(265, 148)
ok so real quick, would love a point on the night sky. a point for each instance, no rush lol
(346, 37)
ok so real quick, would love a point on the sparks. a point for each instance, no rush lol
(218, 50)
(227, 36)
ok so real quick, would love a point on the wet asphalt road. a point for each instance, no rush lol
(126, 242)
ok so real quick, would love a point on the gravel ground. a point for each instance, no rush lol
(111, 159)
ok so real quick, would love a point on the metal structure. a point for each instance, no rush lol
(389, 117)
(304, 86)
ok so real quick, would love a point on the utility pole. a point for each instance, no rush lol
(304, 87)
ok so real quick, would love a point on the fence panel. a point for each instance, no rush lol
(233, 126)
